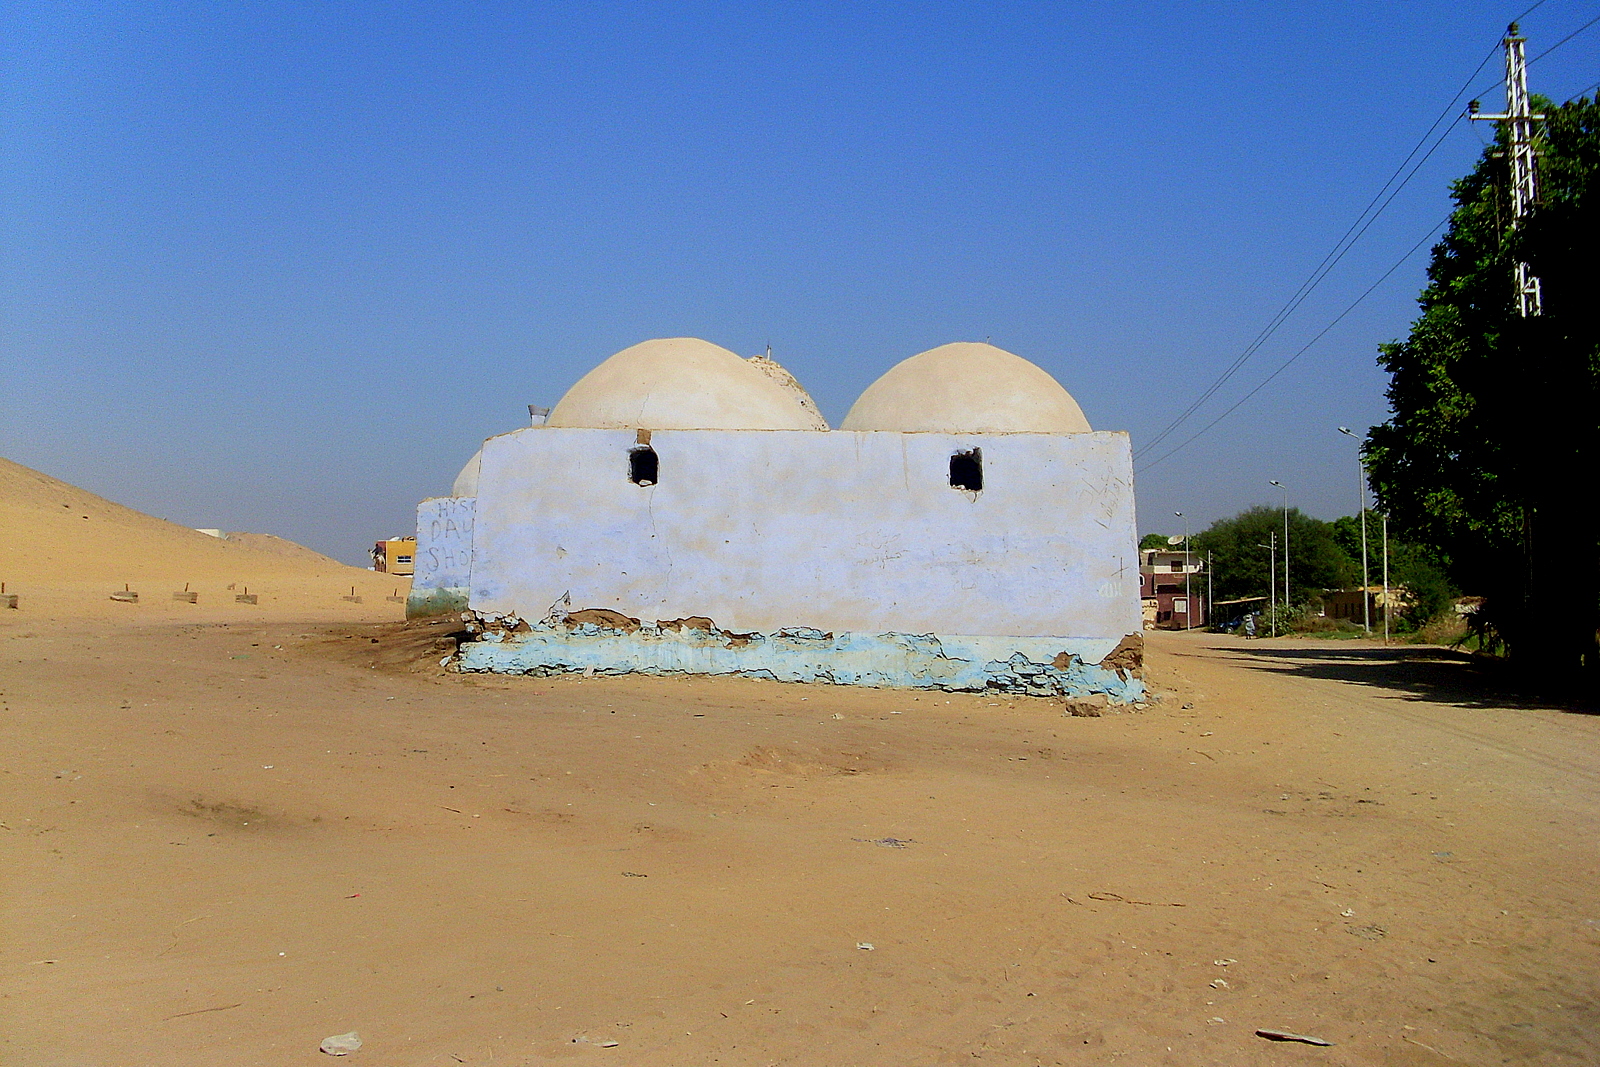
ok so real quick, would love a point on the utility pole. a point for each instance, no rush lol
(1188, 580)
(1285, 489)
(1361, 488)
(1272, 575)
(1519, 122)
(1386, 579)
(1273, 564)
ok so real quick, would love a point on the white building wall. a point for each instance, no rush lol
(842, 531)
(442, 576)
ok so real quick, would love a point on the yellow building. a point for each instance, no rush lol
(397, 555)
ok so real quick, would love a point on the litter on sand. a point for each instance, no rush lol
(1284, 1035)
(886, 842)
(342, 1044)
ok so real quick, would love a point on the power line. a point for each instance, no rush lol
(1546, 52)
(1304, 349)
(1341, 247)
(1528, 12)
(1580, 92)
(1362, 223)
(1565, 39)
(1356, 229)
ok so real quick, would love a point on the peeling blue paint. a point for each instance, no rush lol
(1023, 665)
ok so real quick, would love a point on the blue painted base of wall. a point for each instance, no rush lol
(1035, 666)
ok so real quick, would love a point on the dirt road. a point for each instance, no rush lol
(223, 843)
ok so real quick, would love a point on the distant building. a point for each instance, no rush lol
(1346, 603)
(1172, 589)
(397, 555)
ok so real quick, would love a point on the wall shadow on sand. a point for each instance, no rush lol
(1440, 675)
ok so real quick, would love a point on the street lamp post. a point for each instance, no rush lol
(1188, 582)
(1361, 489)
(1285, 489)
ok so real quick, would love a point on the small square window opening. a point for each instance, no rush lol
(643, 465)
(966, 470)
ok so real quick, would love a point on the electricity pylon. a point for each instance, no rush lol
(1519, 122)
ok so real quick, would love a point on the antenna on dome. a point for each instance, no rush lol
(769, 349)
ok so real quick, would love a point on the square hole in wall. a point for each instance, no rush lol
(643, 465)
(966, 470)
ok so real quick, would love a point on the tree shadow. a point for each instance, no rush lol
(1438, 675)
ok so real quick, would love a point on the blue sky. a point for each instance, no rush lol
(282, 266)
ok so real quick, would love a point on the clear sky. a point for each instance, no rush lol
(282, 266)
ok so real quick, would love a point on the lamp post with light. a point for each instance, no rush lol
(1285, 489)
(1361, 488)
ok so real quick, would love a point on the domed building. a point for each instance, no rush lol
(684, 383)
(966, 388)
(466, 483)
(683, 509)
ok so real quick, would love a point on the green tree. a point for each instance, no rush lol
(1414, 567)
(1240, 558)
(1347, 535)
(1154, 541)
(1493, 420)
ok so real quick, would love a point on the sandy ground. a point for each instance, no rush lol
(223, 842)
(64, 551)
(228, 831)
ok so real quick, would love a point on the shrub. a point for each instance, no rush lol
(1445, 628)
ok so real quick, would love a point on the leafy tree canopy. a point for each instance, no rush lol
(1154, 541)
(1240, 556)
(1493, 426)
(1415, 567)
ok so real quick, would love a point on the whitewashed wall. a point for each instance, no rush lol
(443, 559)
(843, 531)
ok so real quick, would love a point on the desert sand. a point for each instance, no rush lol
(227, 837)
(64, 551)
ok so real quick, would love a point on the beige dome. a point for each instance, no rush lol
(467, 481)
(966, 388)
(684, 383)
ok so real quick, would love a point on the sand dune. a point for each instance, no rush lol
(64, 551)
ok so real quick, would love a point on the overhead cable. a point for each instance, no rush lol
(1342, 246)
(1304, 349)
(1579, 94)
(1546, 52)
(1565, 39)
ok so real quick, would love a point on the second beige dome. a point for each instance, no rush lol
(966, 388)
